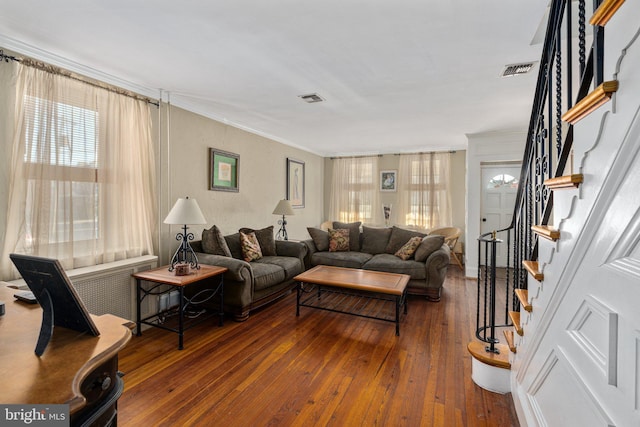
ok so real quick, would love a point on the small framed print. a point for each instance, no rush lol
(388, 180)
(295, 183)
(223, 170)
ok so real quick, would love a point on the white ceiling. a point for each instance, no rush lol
(397, 76)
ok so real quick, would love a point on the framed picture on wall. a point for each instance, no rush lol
(295, 183)
(224, 168)
(388, 180)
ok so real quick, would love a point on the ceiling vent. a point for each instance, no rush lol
(311, 98)
(517, 69)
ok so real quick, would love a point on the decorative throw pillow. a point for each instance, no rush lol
(250, 247)
(429, 245)
(213, 242)
(338, 240)
(408, 249)
(354, 233)
(400, 236)
(374, 240)
(320, 238)
(265, 238)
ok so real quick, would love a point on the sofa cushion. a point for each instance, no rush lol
(233, 241)
(375, 240)
(392, 264)
(341, 259)
(290, 265)
(338, 240)
(429, 245)
(320, 238)
(213, 242)
(408, 249)
(266, 275)
(265, 239)
(250, 247)
(354, 233)
(400, 236)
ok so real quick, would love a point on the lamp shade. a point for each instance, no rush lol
(185, 211)
(283, 208)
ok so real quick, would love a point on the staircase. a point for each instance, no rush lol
(573, 281)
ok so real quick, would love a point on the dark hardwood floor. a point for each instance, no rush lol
(321, 368)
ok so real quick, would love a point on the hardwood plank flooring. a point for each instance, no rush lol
(321, 368)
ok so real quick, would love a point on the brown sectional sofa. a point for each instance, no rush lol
(375, 248)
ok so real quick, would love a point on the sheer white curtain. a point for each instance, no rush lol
(82, 182)
(424, 190)
(354, 190)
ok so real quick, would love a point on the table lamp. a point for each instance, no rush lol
(185, 211)
(283, 208)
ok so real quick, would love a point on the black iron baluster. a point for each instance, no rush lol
(582, 36)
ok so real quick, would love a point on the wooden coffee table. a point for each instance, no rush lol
(352, 291)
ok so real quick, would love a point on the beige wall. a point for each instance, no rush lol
(391, 162)
(184, 158)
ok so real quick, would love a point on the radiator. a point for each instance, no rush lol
(109, 288)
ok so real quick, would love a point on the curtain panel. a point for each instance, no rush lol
(354, 191)
(424, 198)
(82, 183)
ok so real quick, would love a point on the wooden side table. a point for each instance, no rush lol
(162, 276)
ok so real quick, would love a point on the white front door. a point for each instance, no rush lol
(499, 190)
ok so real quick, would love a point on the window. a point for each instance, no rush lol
(424, 197)
(82, 183)
(502, 180)
(67, 160)
(354, 190)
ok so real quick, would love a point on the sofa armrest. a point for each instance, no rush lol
(238, 269)
(437, 264)
(292, 249)
(311, 249)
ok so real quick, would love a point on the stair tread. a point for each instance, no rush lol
(508, 335)
(515, 319)
(546, 231)
(523, 296)
(479, 352)
(605, 11)
(566, 181)
(591, 102)
(532, 268)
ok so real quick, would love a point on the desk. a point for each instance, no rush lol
(75, 369)
(162, 276)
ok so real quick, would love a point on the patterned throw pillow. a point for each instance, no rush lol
(406, 251)
(265, 239)
(250, 247)
(354, 233)
(338, 240)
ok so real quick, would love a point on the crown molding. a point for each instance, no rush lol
(22, 48)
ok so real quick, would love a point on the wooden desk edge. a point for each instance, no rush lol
(78, 401)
